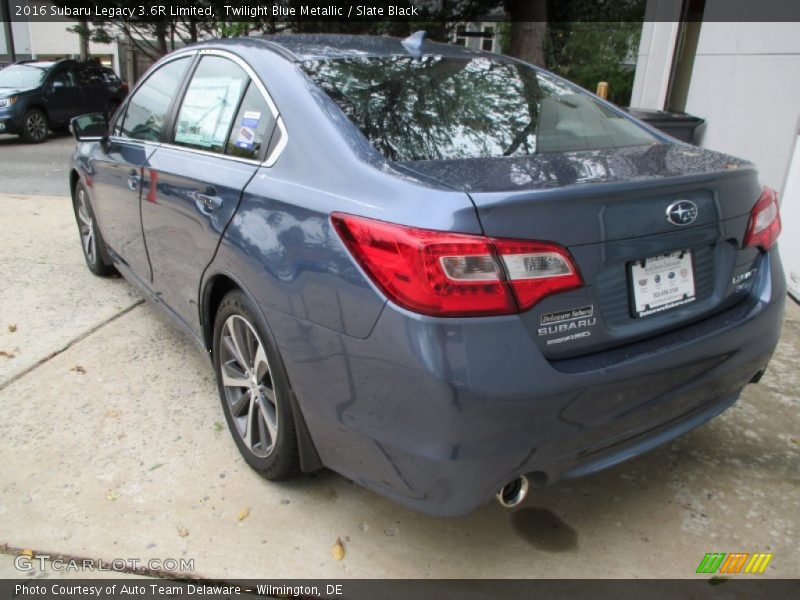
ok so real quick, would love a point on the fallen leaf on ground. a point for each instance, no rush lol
(78, 369)
(796, 441)
(28, 553)
(112, 495)
(183, 532)
(217, 426)
(156, 466)
(12, 327)
(112, 414)
(7, 354)
(244, 513)
(338, 550)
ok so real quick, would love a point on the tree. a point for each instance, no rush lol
(568, 36)
(151, 34)
(84, 34)
(595, 40)
(528, 29)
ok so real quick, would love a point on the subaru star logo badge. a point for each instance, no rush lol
(682, 212)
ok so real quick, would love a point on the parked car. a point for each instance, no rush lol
(443, 273)
(36, 96)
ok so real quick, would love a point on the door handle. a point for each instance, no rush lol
(134, 179)
(209, 199)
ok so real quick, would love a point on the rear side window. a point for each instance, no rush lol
(432, 107)
(110, 77)
(89, 75)
(210, 104)
(252, 127)
(147, 109)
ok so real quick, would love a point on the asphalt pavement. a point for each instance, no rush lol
(35, 168)
(113, 445)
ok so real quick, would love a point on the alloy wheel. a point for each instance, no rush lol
(36, 125)
(86, 227)
(247, 381)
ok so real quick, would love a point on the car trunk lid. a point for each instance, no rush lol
(609, 209)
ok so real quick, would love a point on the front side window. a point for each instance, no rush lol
(147, 109)
(433, 107)
(64, 79)
(210, 103)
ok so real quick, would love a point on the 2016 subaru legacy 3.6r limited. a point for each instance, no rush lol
(443, 273)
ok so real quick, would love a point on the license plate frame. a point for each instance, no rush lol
(661, 282)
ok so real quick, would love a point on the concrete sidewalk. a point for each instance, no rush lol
(128, 457)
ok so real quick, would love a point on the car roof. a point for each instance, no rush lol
(306, 47)
(39, 64)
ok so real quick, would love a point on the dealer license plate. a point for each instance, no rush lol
(662, 282)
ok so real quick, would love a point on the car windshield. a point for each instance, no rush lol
(22, 76)
(432, 107)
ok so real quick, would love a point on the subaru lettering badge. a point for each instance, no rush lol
(682, 212)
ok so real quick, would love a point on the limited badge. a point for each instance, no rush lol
(743, 277)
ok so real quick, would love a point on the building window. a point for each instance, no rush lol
(488, 39)
(461, 38)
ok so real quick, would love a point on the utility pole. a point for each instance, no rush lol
(8, 30)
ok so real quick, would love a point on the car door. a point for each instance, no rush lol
(64, 96)
(117, 164)
(220, 133)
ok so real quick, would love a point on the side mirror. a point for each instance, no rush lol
(89, 127)
(56, 84)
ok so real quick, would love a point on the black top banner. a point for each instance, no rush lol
(287, 11)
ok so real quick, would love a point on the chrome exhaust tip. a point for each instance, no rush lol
(513, 493)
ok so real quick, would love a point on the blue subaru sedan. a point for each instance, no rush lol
(446, 274)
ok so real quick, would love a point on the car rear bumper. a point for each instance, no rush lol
(440, 413)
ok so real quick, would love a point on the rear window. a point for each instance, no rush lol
(431, 107)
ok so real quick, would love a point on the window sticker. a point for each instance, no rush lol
(207, 111)
(247, 129)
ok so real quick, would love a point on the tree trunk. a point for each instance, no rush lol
(83, 36)
(528, 29)
(161, 37)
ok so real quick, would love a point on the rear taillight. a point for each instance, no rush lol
(765, 221)
(453, 274)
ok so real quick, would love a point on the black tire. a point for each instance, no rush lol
(272, 449)
(35, 126)
(91, 240)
